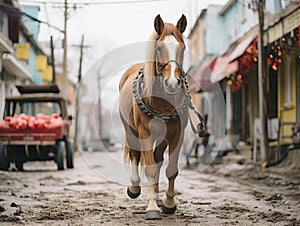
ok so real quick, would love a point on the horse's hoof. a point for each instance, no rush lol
(168, 210)
(133, 195)
(159, 202)
(153, 215)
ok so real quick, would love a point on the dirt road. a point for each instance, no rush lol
(230, 194)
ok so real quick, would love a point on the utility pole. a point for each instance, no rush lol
(64, 79)
(81, 46)
(52, 59)
(262, 95)
(80, 59)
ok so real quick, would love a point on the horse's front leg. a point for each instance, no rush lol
(130, 150)
(147, 155)
(159, 158)
(152, 211)
(134, 190)
(169, 204)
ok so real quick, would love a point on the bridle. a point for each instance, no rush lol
(147, 109)
(182, 74)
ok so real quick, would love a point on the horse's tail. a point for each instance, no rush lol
(131, 155)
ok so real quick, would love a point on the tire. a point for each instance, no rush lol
(19, 165)
(70, 154)
(4, 162)
(60, 153)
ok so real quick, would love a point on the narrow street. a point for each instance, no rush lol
(228, 194)
(91, 71)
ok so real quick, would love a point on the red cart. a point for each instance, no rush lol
(36, 127)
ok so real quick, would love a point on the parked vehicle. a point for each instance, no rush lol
(36, 127)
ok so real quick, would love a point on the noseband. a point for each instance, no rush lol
(161, 67)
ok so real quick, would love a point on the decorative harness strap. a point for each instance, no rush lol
(147, 109)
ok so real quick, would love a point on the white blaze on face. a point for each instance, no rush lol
(172, 45)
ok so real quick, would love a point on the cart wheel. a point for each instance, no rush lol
(70, 151)
(60, 155)
(4, 162)
(19, 165)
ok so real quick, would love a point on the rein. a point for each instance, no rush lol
(147, 109)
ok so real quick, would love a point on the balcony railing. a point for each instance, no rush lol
(6, 44)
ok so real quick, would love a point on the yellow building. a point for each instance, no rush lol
(284, 69)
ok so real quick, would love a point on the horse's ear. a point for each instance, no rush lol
(158, 24)
(181, 24)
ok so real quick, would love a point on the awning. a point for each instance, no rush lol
(227, 63)
(200, 78)
(242, 45)
(218, 67)
(222, 68)
(12, 66)
(286, 24)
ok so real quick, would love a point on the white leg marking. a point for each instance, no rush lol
(135, 178)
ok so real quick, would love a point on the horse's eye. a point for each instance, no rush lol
(158, 48)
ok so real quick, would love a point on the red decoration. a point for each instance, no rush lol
(246, 63)
(236, 81)
(248, 60)
(274, 58)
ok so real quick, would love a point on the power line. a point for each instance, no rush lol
(92, 3)
(17, 12)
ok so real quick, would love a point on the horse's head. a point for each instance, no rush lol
(169, 52)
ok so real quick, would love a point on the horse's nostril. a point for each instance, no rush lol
(178, 82)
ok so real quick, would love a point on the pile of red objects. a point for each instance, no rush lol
(39, 121)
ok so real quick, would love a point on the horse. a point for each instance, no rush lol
(153, 106)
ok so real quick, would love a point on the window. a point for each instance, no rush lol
(33, 108)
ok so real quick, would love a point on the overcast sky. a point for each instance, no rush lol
(107, 26)
(128, 22)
